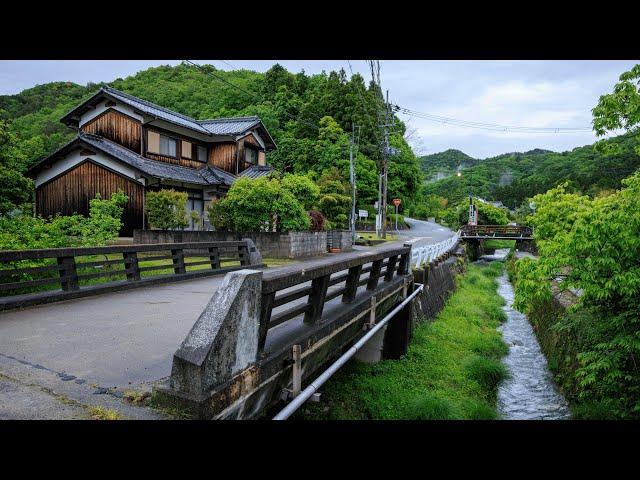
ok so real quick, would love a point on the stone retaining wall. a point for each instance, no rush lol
(270, 244)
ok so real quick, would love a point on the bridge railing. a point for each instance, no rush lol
(428, 253)
(329, 279)
(29, 277)
(264, 332)
(489, 231)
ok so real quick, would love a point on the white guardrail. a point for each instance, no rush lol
(422, 255)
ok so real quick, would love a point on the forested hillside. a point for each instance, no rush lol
(309, 116)
(514, 177)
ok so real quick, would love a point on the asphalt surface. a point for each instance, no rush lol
(424, 233)
(56, 360)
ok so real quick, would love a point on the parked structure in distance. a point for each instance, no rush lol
(127, 143)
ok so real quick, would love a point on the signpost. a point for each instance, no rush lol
(396, 202)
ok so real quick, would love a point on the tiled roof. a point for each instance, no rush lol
(257, 171)
(229, 126)
(149, 167)
(206, 176)
(216, 126)
(217, 176)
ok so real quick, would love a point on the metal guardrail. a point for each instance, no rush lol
(428, 253)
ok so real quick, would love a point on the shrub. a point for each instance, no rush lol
(261, 204)
(103, 224)
(303, 189)
(317, 221)
(166, 209)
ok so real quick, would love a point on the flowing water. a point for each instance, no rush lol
(530, 393)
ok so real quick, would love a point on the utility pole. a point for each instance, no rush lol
(352, 179)
(385, 165)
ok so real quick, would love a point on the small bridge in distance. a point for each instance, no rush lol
(496, 232)
(475, 236)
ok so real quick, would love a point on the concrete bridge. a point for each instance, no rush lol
(254, 328)
(475, 236)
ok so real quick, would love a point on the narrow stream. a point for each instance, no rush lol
(530, 393)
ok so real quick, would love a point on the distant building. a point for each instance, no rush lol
(127, 143)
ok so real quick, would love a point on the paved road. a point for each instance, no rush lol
(424, 233)
(102, 344)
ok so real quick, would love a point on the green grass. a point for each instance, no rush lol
(499, 243)
(451, 370)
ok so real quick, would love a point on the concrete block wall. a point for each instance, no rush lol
(270, 244)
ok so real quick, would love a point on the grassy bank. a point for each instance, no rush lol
(451, 371)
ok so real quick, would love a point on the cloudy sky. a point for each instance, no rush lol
(558, 94)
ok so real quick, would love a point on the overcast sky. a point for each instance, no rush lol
(515, 93)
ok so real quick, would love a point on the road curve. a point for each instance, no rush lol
(423, 232)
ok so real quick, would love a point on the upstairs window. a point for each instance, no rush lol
(202, 153)
(251, 155)
(158, 143)
(167, 146)
(186, 149)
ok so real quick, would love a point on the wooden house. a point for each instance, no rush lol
(127, 143)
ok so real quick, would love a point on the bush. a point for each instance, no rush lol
(102, 224)
(262, 204)
(317, 221)
(303, 189)
(166, 209)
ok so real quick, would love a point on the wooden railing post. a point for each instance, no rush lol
(243, 254)
(178, 261)
(351, 284)
(391, 266)
(265, 317)
(131, 266)
(214, 257)
(68, 274)
(316, 300)
(405, 258)
(376, 267)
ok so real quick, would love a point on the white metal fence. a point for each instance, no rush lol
(422, 255)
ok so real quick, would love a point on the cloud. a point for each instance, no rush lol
(524, 93)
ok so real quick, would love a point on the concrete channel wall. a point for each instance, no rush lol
(270, 244)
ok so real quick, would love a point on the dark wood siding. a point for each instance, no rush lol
(116, 126)
(223, 155)
(250, 140)
(178, 159)
(71, 191)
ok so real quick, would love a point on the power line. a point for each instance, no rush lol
(488, 126)
(366, 108)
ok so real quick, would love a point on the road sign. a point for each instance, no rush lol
(396, 202)
(375, 205)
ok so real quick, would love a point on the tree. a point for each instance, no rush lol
(303, 189)
(105, 218)
(259, 205)
(166, 209)
(619, 109)
(335, 201)
(16, 189)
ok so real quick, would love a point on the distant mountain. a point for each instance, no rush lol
(444, 164)
(514, 177)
